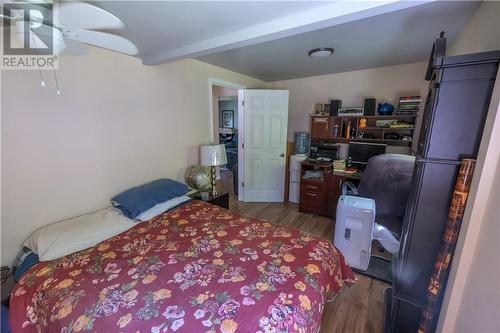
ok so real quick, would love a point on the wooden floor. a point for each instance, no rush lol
(357, 309)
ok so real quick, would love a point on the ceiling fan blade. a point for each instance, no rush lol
(81, 15)
(104, 40)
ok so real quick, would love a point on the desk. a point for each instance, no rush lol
(320, 195)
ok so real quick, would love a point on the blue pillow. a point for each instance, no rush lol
(141, 198)
(24, 260)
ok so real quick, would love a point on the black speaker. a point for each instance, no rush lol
(369, 106)
(335, 105)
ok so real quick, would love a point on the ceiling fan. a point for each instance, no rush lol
(73, 21)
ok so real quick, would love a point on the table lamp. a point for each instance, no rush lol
(212, 156)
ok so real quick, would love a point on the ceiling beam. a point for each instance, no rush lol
(329, 15)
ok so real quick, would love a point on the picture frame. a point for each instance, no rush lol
(228, 119)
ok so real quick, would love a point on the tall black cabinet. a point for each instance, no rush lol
(455, 110)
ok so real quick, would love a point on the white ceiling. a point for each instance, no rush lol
(269, 40)
(395, 38)
(159, 26)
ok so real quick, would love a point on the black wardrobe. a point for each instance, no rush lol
(455, 111)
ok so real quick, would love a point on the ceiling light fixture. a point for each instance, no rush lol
(321, 52)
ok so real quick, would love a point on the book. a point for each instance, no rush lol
(339, 165)
(402, 125)
(408, 106)
(351, 170)
(408, 99)
(406, 113)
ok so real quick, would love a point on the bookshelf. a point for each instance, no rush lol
(377, 130)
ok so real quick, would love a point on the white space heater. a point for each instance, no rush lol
(355, 229)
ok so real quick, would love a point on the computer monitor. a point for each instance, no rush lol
(361, 152)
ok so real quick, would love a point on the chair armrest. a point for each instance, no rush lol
(348, 188)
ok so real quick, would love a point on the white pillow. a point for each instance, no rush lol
(68, 236)
(161, 208)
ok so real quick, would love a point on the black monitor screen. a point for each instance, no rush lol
(360, 153)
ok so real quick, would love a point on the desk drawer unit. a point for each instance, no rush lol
(313, 187)
(315, 197)
(312, 197)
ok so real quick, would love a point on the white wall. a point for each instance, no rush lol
(481, 33)
(472, 298)
(117, 124)
(480, 307)
(386, 84)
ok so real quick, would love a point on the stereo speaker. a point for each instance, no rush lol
(369, 106)
(335, 105)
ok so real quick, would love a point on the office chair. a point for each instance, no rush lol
(387, 180)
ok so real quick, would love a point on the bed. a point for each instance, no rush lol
(197, 268)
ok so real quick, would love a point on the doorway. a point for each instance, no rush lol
(256, 172)
(225, 129)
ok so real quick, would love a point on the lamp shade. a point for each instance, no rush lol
(213, 155)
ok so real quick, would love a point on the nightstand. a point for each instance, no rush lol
(221, 199)
(6, 289)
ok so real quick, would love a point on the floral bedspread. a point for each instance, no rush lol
(198, 268)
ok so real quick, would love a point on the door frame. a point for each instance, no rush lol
(241, 140)
(241, 124)
(221, 83)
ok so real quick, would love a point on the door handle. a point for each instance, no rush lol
(282, 155)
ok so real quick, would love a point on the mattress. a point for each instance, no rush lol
(197, 268)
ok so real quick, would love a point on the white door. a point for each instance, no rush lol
(265, 125)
